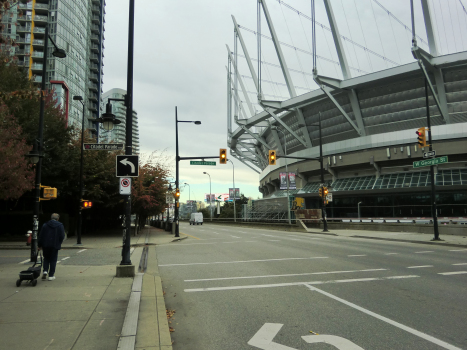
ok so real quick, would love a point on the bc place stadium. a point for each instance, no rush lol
(369, 76)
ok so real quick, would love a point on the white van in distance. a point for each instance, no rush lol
(196, 219)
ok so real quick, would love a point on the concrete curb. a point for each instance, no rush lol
(411, 241)
(179, 239)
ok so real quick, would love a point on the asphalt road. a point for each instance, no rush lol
(239, 288)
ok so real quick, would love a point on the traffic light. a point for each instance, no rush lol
(177, 194)
(86, 204)
(223, 156)
(325, 192)
(320, 191)
(421, 137)
(272, 157)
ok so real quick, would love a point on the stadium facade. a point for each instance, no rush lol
(368, 126)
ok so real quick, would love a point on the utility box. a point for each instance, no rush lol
(49, 193)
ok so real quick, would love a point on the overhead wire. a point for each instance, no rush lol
(363, 33)
(350, 33)
(342, 36)
(377, 29)
(395, 41)
(307, 52)
(291, 39)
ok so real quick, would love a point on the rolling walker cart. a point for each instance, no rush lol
(31, 274)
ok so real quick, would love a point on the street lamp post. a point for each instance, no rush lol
(81, 185)
(286, 175)
(210, 203)
(322, 200)
(233, 179)
(358, 206)
(177, 160)
(59, 53)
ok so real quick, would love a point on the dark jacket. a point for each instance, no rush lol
(52, 235)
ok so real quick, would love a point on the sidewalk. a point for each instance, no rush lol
(447, 240)
(86, 307)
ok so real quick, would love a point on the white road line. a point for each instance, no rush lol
(132, 250)
(453, 273)
(80, 251)
(287, 275)
(425, 251)
(391, 253)
(254, 286)
(273, 240)
(461, 264)
(417, 267)
(387, 320)
(25, 261)
(263, 234)
(237, 242)
(244, 261)
(66, 258)
(357, 255)
(457, 250)
(234, 236)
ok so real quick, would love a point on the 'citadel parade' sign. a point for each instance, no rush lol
(102, 146)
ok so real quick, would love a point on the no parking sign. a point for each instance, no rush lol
(125, 185)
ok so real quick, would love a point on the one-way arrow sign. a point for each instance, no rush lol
(127, 166)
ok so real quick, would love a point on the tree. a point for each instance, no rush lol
(150, 188)
(228, 208)
(16, 173)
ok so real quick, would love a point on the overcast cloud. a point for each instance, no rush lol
(180, 59)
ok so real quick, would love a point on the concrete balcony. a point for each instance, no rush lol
(40, 19)
(94, 57)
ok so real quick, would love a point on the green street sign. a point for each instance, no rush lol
(428, 162)
(198, 162)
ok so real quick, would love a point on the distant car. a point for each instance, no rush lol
(196, 219)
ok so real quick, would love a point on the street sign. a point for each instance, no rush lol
(102, 146)
(198, 162)
(127, 166)
(125, 185)
(329, 197)
(169, 199)
(429, 154)
(428, 162)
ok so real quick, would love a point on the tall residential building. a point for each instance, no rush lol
(118, 133)
(77, 26)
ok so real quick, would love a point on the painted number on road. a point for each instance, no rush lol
(263, 339)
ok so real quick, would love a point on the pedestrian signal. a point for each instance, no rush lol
(86, 204)
(272, 157)
(223, 156)
(421, 137)
(49, 193)
(320, 191)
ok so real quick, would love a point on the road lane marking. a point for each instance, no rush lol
(243, 261)
(425, 251)
(25, 261)
(286, 275)
(458, 250)
(273, 240)
(234, 236)
(461, 264)
(80, 251)
(357, 255)
(391, 253)
(66, 258)
(186, 234)
(452, 273)
(255, 286)
(418, 267)
(387, 320)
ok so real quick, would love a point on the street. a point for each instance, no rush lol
(241, 288)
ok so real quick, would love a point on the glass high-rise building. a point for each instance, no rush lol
(77, 26)
(117, 135)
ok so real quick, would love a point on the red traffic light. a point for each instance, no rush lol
(86, 204)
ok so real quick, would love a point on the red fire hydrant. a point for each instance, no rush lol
(29, 238)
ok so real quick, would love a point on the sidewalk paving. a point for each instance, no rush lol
(86, 306)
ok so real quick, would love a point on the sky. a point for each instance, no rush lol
(180, 60)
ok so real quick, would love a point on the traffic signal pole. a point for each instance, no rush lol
(434, 210)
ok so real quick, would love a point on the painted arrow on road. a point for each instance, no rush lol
(127, 162)
(263, 339)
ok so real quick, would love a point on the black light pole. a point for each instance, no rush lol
(129, 131)
(59, 53)
(432, 173)
(322, 200)
(81, 185)
(177, 160)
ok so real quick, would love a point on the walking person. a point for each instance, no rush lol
(50, 242)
